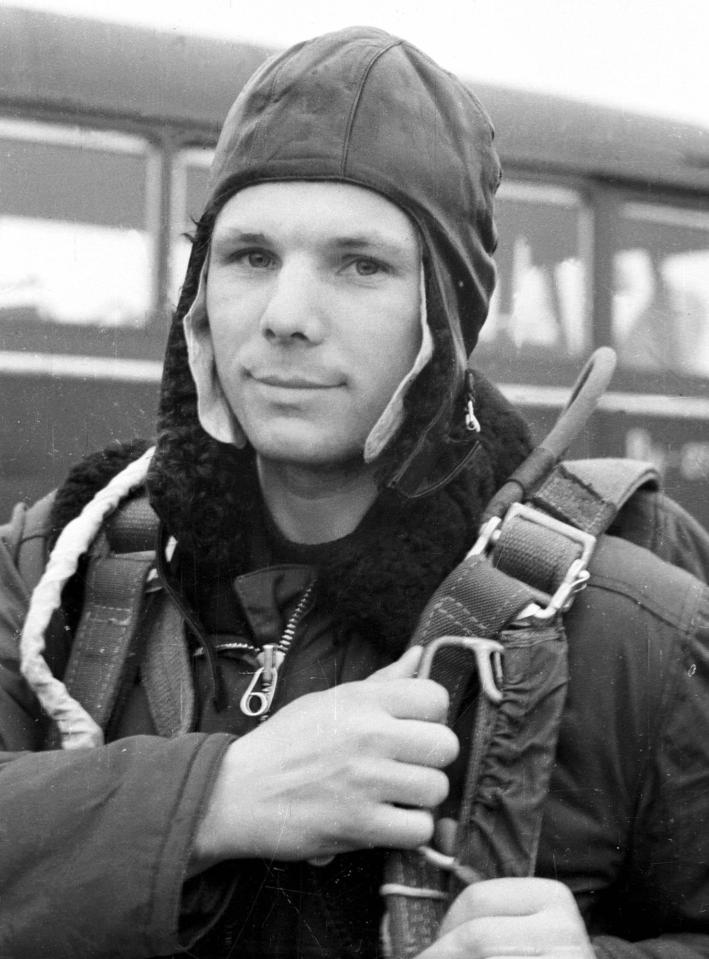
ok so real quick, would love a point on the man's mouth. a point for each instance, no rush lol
(294, 381)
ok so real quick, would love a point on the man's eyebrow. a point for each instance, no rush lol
(372, 240)
(235, 235)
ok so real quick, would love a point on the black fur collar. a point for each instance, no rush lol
(381, 579)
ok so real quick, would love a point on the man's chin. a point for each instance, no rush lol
(316, 458)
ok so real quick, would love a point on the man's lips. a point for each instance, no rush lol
(294, 381)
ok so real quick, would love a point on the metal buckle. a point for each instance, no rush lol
(489, 534)
(488, 659)
(576, 577)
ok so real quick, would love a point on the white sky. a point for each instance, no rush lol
(649, 55)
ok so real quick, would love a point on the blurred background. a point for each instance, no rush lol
(639, 54)
(108, 115)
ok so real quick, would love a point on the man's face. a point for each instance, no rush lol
(314, 310)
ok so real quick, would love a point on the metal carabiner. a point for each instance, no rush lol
(488, 658)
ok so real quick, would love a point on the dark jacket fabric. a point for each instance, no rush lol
(95, 843)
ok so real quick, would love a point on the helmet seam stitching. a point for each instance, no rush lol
(356, 102)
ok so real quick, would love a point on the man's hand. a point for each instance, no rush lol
(356, 766)
(512, 918)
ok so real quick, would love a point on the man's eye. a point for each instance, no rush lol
(256, 259)
(365, 266)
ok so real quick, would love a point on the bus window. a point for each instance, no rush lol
(77, 247)
(543, 262)
(189, 193)
(661, 289)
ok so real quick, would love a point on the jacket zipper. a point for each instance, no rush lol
(257, 702)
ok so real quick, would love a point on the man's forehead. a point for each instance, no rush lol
(343, 213)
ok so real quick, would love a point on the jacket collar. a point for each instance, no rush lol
(382, 576)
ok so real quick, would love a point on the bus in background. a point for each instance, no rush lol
(106, 134)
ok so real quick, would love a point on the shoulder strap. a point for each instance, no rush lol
(166, 671)
(589, 493)
(124, 609)
(506, 600)
(103, 656)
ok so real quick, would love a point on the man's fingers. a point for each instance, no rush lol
(405, 698)
(415, 699)
(505, 897)
(424, 744)
(396, 828)
(403, 668)
(416, 787)
(546, 934)
(513, 917)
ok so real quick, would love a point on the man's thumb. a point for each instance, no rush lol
(403, 668)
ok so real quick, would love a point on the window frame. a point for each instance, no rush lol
(609, 200)
(49, 338)
(182, 157)
(524, 185)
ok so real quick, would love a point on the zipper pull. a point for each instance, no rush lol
(257, 702)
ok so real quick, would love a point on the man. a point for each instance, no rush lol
(315, 481)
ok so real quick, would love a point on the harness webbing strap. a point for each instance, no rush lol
(128, 622)
(500, 821)
(133, 527)
(589, 493)
(102, 654)
(166, 671)
(538, 556)
(411, 921)
(522, 552)
(476, 599)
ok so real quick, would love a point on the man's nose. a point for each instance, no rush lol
(294, 306)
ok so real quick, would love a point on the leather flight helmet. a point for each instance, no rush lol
(363, 107)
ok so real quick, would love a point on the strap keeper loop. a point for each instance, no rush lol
(411, 892)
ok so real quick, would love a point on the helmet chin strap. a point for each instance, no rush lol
(213, 410)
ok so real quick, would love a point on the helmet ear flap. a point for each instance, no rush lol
(392, 416)
(433, 411)
(213, 410)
